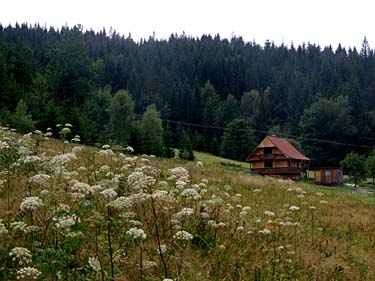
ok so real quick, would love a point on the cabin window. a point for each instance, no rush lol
(328, 173)
(268, 150)
(268, 164)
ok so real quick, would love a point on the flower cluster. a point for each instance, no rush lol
(20, 254)
(66, 222)
(95, 264)
(40, 179)
(136, 233)
(121, 203)
(30, 204)
(179, 173)
(28, 273)
(139, 180)
(191, 193)
(81, 187)
(109, 193)
(3, 229)
(183, 235)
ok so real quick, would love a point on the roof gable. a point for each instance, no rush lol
(281, 144)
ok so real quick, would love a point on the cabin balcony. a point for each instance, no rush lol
(269, 156)
(277, 171)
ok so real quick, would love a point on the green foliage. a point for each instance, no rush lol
(121, 117)
(20, 119)
(306, 91)
(168, 150)
(370, 165)
(238, 140)
(354, 166)
(326, 119)
(152, 131)
(186, 150)
(96, 115)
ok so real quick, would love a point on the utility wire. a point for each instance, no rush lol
(266, 132)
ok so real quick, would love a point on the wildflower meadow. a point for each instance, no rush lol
(71, 212)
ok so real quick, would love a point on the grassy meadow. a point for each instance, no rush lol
(70, 212)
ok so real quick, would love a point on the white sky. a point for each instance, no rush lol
(323, 22)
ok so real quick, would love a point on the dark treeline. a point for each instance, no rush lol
(113, 88)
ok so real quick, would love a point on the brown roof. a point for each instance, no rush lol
(285, 147)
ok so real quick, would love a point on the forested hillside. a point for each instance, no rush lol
(220, 95)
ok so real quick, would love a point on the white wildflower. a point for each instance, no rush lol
(21, 255)
(30, 204)
(28, 273)
(265, 231)
(3, 229)
(95, 264)
(81, 187)
(136, 233)
(18, 226)
(184, 213)
(240, 229)
(199, 164)
(76, 149)
(109, 193)
(129, 149)
(179, 173)
(139, 180)
(191, 193)
(163, 248)
(66, 222)
(121, 203)
(269, 214)
(183, 235)
(148, 264)
(65, 130)
(293, 208)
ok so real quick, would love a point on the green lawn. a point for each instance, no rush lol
(221, 162)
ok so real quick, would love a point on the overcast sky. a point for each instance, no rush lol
(325, 22)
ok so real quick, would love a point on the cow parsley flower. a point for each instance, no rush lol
(179, 173)
(269, 214)
(265, 231)
(183, 235)
(18, 226)
(191, 194)
(199, 164)
(66, 222)
(121, 203)
(95, 264)
(21, 255)
(185, 213)
(81, 187)
(30, 204)
(3, 229)
(136, 233)
(40, 179)
(139, 180)
(109, 193)
(293, 208)
(28, 273)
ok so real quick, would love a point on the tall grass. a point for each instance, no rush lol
(70, 212)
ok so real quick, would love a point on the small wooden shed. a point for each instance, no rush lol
(328, 176)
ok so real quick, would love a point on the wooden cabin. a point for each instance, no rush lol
(276, 157)
(328, 176)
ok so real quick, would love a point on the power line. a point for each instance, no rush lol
(266, 132)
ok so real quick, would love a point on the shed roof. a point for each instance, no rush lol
(285, 147)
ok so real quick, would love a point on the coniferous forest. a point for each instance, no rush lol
(212, 94)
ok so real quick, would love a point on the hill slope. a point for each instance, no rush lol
(77, 213)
